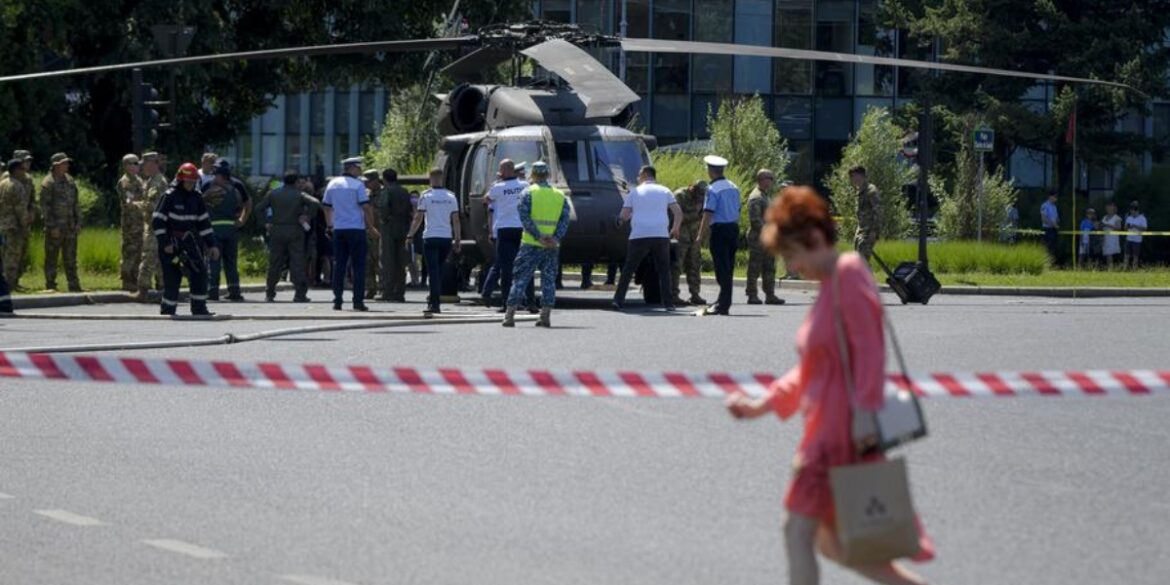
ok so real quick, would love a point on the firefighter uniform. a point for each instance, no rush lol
(181, 227)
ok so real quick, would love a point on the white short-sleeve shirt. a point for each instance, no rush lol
(504, 199)
(649, 204)
(438, 204)
(1135, 221)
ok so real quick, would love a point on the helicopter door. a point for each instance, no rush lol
(472, 188)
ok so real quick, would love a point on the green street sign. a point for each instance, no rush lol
(984, 139)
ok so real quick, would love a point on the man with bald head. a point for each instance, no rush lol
(503, 201)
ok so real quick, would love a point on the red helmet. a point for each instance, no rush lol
(188, 172)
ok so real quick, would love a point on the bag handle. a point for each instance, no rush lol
(864, 424)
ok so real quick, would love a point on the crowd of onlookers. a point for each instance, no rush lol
(1110, 241)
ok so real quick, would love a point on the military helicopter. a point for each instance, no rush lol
(571, 115)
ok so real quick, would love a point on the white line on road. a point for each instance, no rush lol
(69, 517)
(185, 548)
(311, 580)
(4, 496)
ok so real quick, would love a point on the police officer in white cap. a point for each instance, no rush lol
(349, 214)
(721, 214)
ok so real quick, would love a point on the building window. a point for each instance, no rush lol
(557, 10)
(834, 33)
(1161, 131)
(292, 130)
(713, 73)
(591, 16)
(672, 21)
(794, 30)
(637, 26)
(794, 118)
(341, 115)
(317, 133)
(701, 105)
(753, 26)
(367, 122)
(875, 80)
(272, 140)
(670, 118)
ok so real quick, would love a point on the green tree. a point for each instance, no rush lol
(742, 132)
(409, 137)
(1083, 38)
(957, 189)
(89, 117)
(875, 147)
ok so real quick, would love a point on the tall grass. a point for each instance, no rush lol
(99, 251)
(962, 257)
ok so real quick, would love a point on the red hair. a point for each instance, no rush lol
(794, 216)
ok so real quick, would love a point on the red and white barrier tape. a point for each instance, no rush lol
(121, 370)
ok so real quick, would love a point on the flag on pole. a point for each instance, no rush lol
(1071, 133)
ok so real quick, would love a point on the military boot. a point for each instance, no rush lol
(509, 317)
(545, 317)
(774, 300)
(698, 300)
(754, 300)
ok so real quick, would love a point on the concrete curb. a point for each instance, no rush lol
(1002, 291)
(58, 300)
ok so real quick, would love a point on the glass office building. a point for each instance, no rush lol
(815, 105)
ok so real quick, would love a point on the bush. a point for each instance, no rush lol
(961, 257)
(742, 132)
(409, 138)
(875, 147)
(957, 189)
(94, 204)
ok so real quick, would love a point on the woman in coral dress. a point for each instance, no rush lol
(802, 231)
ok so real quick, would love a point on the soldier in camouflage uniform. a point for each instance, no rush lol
(689, 257)
(149, 272)
(17, 206)
(761, 264)
(132, 195)
(62, 216)
(373, 182)
(868, 212)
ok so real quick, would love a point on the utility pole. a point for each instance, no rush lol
(624, 30)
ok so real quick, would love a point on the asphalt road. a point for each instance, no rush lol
(125, 485)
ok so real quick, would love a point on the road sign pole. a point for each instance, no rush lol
(979, 235)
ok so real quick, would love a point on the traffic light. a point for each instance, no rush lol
(144, 112)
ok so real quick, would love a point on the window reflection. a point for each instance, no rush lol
(713, 25)
(794, 30)
(872, 39)
(672, 21)
(834, 33)
(616, 160)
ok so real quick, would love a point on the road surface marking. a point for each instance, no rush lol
(4, 496)
(69, 517)
(311, 580)
(185, 548)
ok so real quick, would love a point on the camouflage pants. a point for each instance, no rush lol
(864, 242)
(373, 265)
(131, 249)
(528, 261)
(149, 271)
(15, 249)
(761, 265)
(64, 247)
(689, 261)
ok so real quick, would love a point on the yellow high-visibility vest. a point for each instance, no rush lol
(547, 204)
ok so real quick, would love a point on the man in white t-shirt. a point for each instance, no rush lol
(440, 208)
(1135, 224)
(649, 208)
(503, 202)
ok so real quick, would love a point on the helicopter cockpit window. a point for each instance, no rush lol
(527, 151)
(616, 160)
(571, 156)
(479, 173)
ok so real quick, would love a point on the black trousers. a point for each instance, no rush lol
(659, 251)
(349, 247)
(172, 277)
(1052, 241)
(5, 294)
(724, 241)
(436, 250)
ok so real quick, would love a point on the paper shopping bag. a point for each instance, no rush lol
(875, 516)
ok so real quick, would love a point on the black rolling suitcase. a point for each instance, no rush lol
(912, 282)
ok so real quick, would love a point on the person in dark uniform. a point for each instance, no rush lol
(721, 213)
(182, 227)
(228, 207)
(395, 212)
(292, 211)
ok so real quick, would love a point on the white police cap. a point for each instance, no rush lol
(357, 160)
(715, 161)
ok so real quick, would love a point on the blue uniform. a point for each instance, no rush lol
(532, 258)
(722, 203)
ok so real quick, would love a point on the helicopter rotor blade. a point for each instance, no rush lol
(665, 46)
(604, 95)
(313, 51)
(471, 67)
